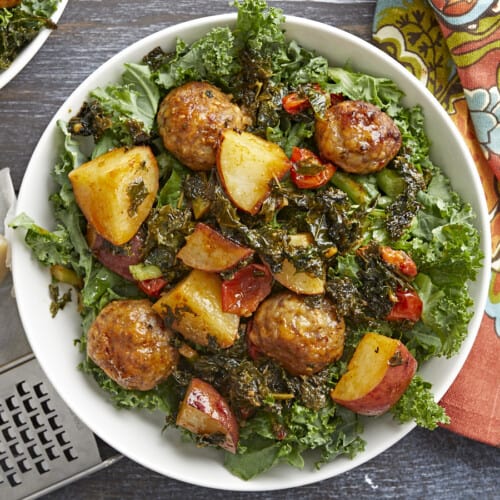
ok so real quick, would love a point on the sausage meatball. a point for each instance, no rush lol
(301, 338)
(190, 119)
(357, 136)
(131, 344)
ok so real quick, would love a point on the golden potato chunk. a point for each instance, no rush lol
(378, 373)
(209, 250)
(116, 191)
(246, 165)
(195, 306)
(301, 282)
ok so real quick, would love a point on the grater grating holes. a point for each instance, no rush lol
(31, 434)
(12, 403)
(41, 442)
(19, 419)
(40, 390)
(42, 436)
(23, 466)
(22, 388)
(26, 435)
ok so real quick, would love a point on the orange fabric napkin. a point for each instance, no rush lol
(453, 46)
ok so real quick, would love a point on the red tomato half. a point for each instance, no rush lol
(308, 171)
(249, 286)
(400, 260)
(409, 306)
(293, 103)
(152, 287)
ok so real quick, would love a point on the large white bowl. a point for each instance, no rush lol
(25, 56)
(138, 434)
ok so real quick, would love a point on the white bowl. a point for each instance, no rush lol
(25, 56)
(138, 434)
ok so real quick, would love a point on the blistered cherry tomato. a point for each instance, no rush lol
(293, 103)
(308, 171)
(152, 287)
(249, 286)
(296, 102)
(408, 306)
(400, 260)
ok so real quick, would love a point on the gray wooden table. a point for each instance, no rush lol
(425, 464)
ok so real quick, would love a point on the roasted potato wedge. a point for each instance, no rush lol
(195, 308)
(378, 373)
(208, 250)
(300, 282)
(116, 191)
(246, 165)
(205, 412)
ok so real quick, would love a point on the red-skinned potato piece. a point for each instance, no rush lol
(246, 165)
(206, 249)
(205, 412)
(116, 258)
(249, 286)
(377, 375)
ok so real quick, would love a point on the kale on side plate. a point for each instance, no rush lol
(21, 24)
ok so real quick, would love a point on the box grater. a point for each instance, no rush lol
(43, 445)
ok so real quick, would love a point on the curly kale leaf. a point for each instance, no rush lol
(445, 247)
(161, 397)
(357, 86)
(66, 244)
(417, 404)
(211, 58)
(49, 247)
(259, 31)
(167, 228)
(332, 431)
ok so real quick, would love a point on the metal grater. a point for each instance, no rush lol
(43, 445)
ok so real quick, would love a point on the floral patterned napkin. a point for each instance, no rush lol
(453, 47)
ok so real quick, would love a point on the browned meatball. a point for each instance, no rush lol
(357, 136)
(130, 342)
(301, 338)
(190, 119)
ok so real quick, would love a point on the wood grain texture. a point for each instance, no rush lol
(434, 465)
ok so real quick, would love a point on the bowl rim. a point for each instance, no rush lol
(114, 65)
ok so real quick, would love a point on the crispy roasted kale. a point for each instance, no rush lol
(167, 228)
